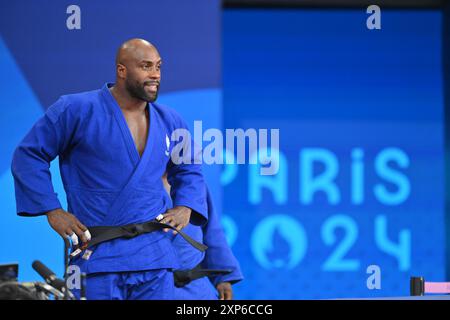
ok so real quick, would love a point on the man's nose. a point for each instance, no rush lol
(154, 73)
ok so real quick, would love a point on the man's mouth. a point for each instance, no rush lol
(153, 86)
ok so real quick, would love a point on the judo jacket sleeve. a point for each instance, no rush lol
(184, 174)
(49, 137)
(219, 254)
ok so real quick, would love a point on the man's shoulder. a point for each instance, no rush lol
(80, 98)
(75, 103)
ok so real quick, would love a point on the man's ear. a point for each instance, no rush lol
(121, 71)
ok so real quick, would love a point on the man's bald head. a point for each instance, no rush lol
(138, 69)
(133, 49)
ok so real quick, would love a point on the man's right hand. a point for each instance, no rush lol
(68, 226)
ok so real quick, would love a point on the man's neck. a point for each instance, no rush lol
(127, 102)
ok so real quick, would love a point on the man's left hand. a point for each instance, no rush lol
(224, 290)
(177, 217)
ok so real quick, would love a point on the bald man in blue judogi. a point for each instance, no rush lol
(113, 149)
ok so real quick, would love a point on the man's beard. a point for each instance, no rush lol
(137, 91)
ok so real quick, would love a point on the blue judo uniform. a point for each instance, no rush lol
(217, 256)
(108, 183)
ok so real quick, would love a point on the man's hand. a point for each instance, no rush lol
(67, 225)
(225, 291)
(177, 217)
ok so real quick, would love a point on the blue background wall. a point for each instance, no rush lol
(361, 109)
(366, 105)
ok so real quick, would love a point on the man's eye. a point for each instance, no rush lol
(145, 67)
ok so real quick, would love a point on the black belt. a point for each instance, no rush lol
(103, 234)
(183, 277)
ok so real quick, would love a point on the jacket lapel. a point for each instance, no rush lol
(140, 163)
